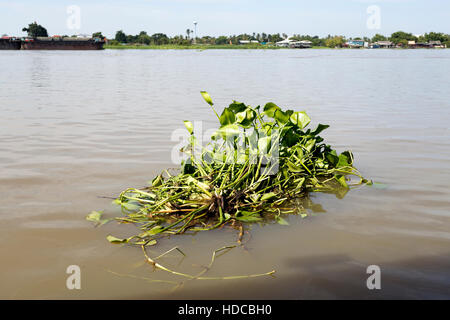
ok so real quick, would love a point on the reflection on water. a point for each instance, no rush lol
(79, 125)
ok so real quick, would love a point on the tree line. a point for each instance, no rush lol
(400, 37)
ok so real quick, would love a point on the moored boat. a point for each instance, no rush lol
(62, 43)
(9, 43)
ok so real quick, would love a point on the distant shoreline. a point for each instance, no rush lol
(230, 47)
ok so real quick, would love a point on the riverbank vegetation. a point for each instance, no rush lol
(143, 40)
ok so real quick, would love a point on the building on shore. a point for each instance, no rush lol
(382, 45)
(436, 44)
(248, 41)
(356, 44)
(291, 43)
(303, 44)
(284, 43)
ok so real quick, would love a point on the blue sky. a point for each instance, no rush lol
(225, 17)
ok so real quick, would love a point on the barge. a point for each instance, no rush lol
(51, 43)
(62, 43)
(8, 43)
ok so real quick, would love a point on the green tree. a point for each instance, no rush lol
(121, 37)
(401, 37)
(378, 37)
(35, 30)
(143, 38)
(435, 36)
(160, 38)
(98, 35)
(131, 38)
(221, 40)
(336, 41)
(275, 37)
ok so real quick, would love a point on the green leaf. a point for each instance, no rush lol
(332, 157)
(130, 206)
(94, 216)
(293, 168)
(310, 144)
(207, 97)
(268, 196)
(113, 239)
(157, 181)
(300, 119)
(254, 197)
(345, 159)
(264, 144)
(270, 108)
(281, 221)
(341, 180)
(227, 117)
(229, 131)
(319, 129)
(152, 231)
(252, 218)
(246, 117)
(189, 126)
(147, 243)
(290, 138)
(237, 107)
(281, 117)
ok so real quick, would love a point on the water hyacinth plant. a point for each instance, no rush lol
(258, 164)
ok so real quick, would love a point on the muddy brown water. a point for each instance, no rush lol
(76, 126)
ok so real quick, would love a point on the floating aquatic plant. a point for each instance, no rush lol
(259, 163)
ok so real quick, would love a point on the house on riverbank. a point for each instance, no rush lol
(382, 45)
(356, 44)
(291, 43)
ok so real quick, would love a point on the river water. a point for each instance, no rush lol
(76, 126)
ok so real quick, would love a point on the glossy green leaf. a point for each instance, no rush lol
(332, 157)
(319, 129)
(270, 108)
(268, 196)
(113, 239)
(300, 119)
(237, 107)
(246, 117)
(252, 218)
(207, 97)
(157, 181)
(294, 168)
(282, 221)
(94, 216)
(189, 126)
(227, 117)
(281, 117)
(264, 144)
(228, 131)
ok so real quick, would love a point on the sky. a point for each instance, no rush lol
(350, 18)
